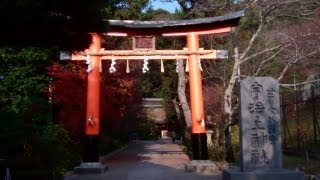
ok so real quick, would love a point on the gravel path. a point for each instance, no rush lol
(148, 160)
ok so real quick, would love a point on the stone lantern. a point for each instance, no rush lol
(209, 125)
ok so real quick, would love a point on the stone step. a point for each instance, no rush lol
(90, 168)
(202, 166)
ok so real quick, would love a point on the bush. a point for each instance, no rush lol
(235, 142)
(47, 153)
(109, 144)
(217, 153)
(56, 150)
(147, 130)
(187, 143)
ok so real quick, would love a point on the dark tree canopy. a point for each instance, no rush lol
(53, 22)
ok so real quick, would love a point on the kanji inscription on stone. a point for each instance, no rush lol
(260, 124)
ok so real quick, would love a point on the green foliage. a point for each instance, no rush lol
(235, 142)
(23, 56)
(23, 77)
(187, 143)
(161, 15)
(217, 153)
(19, 87)
(12, 133)
(310, 166)
(31, 147)
(129, 9)
(250, 22)
(110, 143)
(147, 129)
(298, 126)
(31, 141)
(55, 150)
(155, 84)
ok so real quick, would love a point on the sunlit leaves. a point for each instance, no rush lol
(23, 78)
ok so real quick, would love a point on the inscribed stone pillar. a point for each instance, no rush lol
(260, 135)
(260, 124)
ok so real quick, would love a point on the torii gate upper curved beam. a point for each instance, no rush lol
(211, 25)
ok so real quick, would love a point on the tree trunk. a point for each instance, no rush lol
(182, 93)
(228, 108)
(177, 108)
(217, 141)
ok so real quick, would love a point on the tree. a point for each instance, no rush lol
(25, 125)
(161, 15)
(268, 47)
(50, 23)
(131, 9)
(182, 93)
(267, 19)
(273, 37)
(32, 32)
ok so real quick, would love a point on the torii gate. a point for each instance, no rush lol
(191, 29)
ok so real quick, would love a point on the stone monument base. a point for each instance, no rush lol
(202, 166)
(90, 168)
(236, 174)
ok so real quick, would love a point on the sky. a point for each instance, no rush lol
(169, 6)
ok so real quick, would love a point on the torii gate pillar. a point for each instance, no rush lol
(91, 153)
(199, 138)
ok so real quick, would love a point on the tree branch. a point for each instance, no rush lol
(293, 61)
(253, 38)
(259, 53)
(298, 84)
(266, 60)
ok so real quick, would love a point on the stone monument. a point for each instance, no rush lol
(260, 133)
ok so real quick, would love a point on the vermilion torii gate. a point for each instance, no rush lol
(191, 29)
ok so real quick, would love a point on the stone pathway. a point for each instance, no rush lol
(148, 160)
